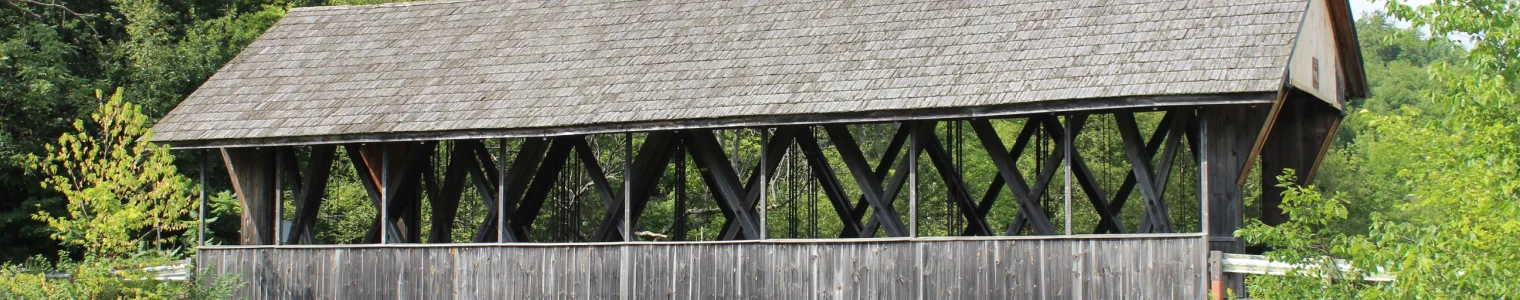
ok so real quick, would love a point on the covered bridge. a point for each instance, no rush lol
(871, 110)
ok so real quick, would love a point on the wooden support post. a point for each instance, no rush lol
(1302, 133)
(200, 218)
(1068, 146)
(253, 179)
(391, 173)
(501, 188)
(912, 161)
(678, 229)
(1083, 174)
(627, 194)
(1226, 138)
(279, 194)
(775, 148)
(765, 184)
(648, 167)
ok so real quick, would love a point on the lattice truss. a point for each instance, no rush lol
(582, 182)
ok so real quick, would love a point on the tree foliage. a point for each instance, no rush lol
(118, 186)
(1445, 167)
(53, 53)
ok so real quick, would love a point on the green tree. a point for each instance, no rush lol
(119, 187)
(1366, 166)
(1454, 233)
(47, 58)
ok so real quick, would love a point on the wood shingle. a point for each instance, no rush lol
(513, 68)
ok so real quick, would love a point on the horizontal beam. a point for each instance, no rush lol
(976, 112)
(873, 240)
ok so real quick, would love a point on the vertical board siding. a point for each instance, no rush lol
(1065, 268)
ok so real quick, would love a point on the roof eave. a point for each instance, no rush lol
(1001, 111)
(1350, 49)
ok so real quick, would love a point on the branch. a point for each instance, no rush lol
(65, 9)
(8, 3)
(53, 5)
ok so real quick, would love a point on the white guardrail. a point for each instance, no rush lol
(175, 272)
(1260, 265)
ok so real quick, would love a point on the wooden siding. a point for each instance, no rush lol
(1150, 267)
(1315, 66)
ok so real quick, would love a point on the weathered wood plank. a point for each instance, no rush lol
(253, 180)
(1165, 267)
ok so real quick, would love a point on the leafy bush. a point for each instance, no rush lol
(95, 277)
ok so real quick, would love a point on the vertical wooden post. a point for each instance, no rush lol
(765, 183)
(625, 262)
(1228, 134)
(1299, 138)
(279, 195)
(200, 235)
(679, 219)
(384, 161)
(1216, 275)
(918, 250)
(253, 179)
(501, 191)
(627, 188)
(385, 195)
(1066, 161)
(912, 181)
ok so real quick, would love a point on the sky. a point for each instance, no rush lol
(1362, 6)
(1358, 7)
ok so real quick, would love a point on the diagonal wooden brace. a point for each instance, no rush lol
(719, 175)
(957, 187)
(1029, 209)
(870, 188)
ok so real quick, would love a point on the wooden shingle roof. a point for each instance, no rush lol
(518, 68)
